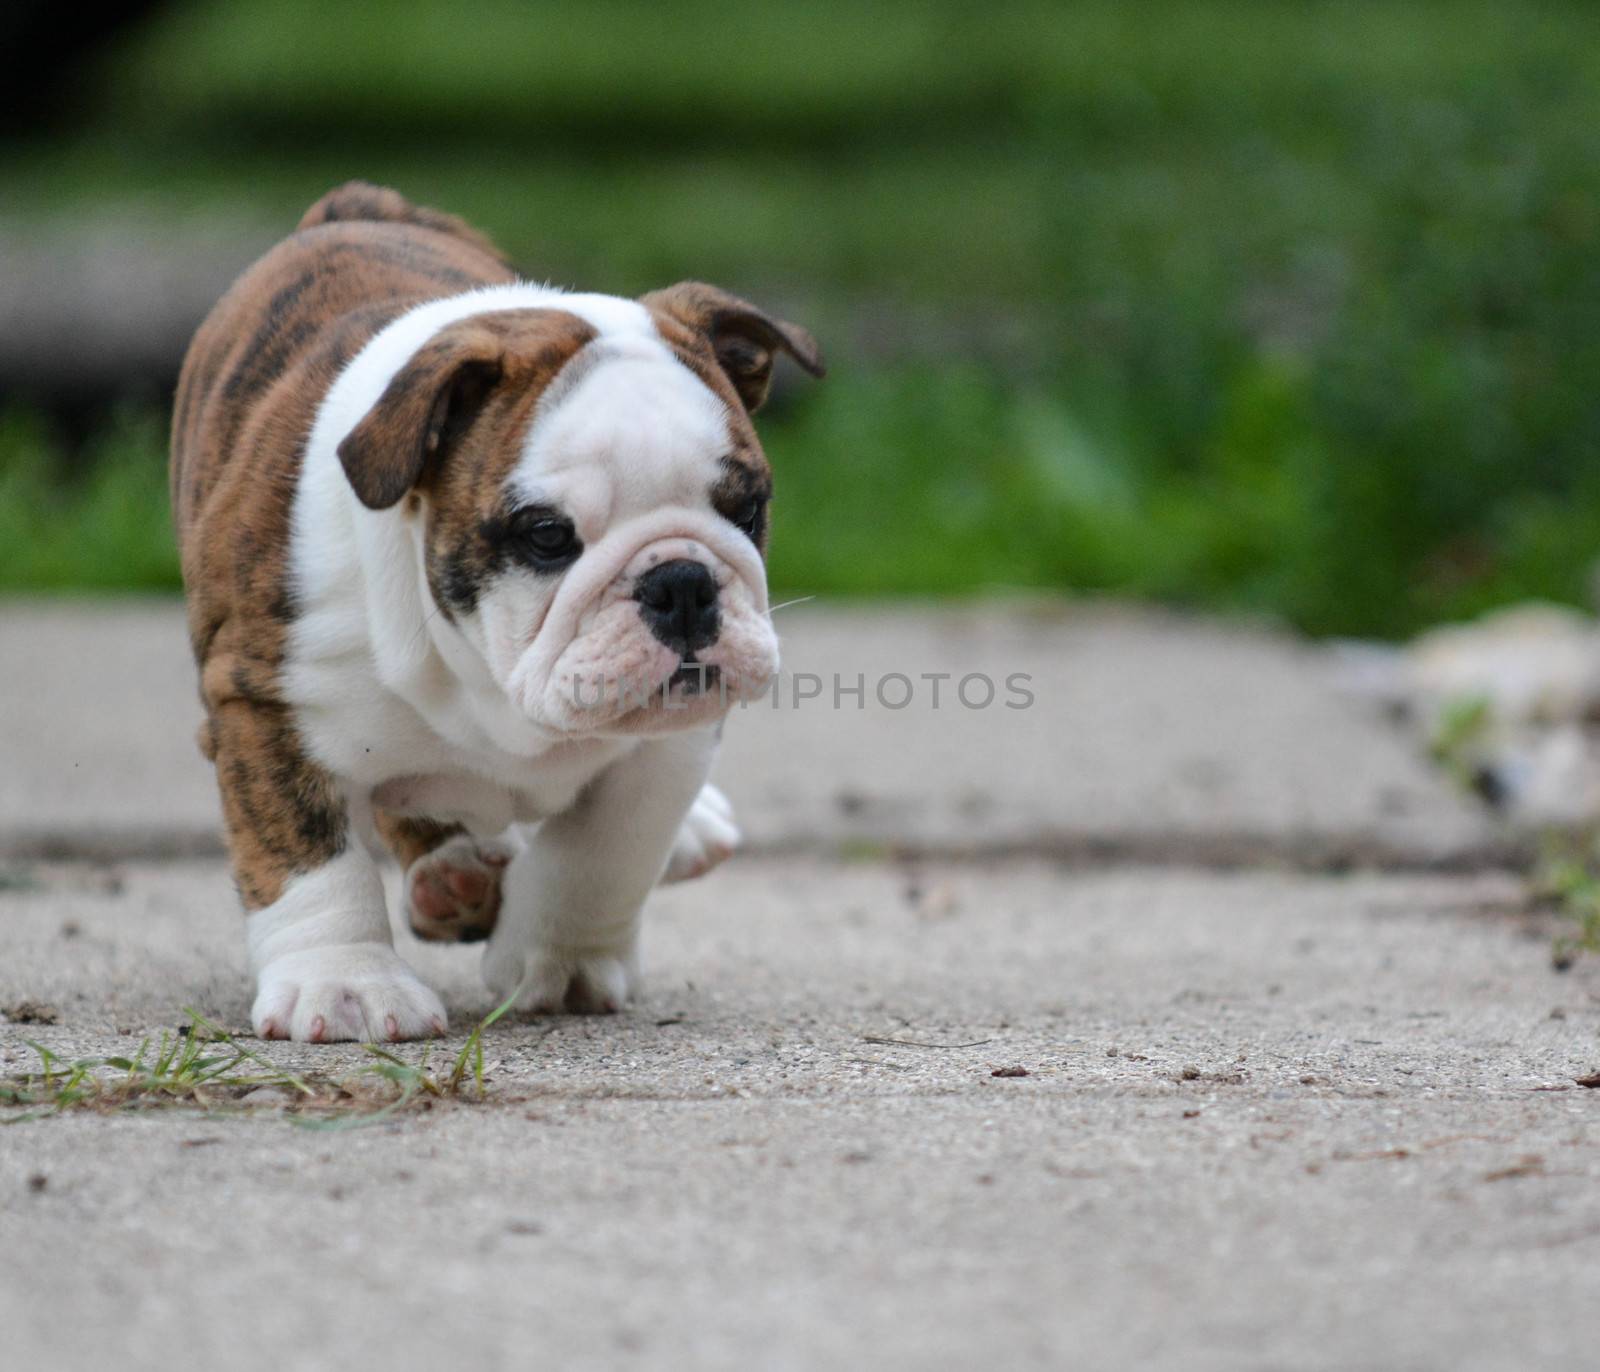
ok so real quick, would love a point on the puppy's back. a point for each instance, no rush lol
(259, 365)
(363, 203)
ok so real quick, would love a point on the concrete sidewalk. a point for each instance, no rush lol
(1266, 1118)
(1149, 737)
(1269, 1121)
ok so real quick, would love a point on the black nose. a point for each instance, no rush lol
(679, 602)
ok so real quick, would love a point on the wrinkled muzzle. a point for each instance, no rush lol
(660, 626)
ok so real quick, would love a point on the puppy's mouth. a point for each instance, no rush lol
(695, 677)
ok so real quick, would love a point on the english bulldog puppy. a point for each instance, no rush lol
(474, 570)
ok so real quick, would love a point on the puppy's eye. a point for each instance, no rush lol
(543, 538)
(751, 518)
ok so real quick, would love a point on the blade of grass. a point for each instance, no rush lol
(221, 1035)
(472, 1049)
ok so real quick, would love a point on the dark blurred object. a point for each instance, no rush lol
(98, 310)
(42, 46)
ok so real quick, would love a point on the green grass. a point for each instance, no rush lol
(1461, 738)
(952, 481)
(206, 1068)
(1567, 880)
(105, 528)
(1285, 307)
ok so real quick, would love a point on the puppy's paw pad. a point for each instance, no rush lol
(452, 895)
(707, 838)
(359, 992)
(552, 983)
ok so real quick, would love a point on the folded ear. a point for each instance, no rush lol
(742, 337)
(424, 410)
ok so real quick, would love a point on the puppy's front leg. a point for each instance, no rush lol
(569, 920)
(318, 931)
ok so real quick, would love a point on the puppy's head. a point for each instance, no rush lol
(588, 498)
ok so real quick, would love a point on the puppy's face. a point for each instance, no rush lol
(589, 507)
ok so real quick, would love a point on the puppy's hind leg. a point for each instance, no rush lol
(320, 948)
(452, 886)
(451, 892)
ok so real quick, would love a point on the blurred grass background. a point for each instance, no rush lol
(1285, 307)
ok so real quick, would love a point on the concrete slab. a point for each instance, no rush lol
(1268, 1121)
(1148, 736)
(99, 704)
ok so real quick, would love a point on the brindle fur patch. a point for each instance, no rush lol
(448, 424)
(465, 493)
(251, 384)
(409, 838)
(744, 482)
(364, 202)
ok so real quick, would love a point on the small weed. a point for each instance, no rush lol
(1567, 878)
(472, 1052)
(17, 879)
(865, 850)
(1460, 737)
(414, 1083)
(207, 1068)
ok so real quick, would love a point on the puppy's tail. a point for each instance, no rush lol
(361, 201)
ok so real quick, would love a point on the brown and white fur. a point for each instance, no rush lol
(380, 436)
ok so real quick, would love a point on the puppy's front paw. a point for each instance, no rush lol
(360, 991)
(549, 981)
(707, 837)
(452, 895)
